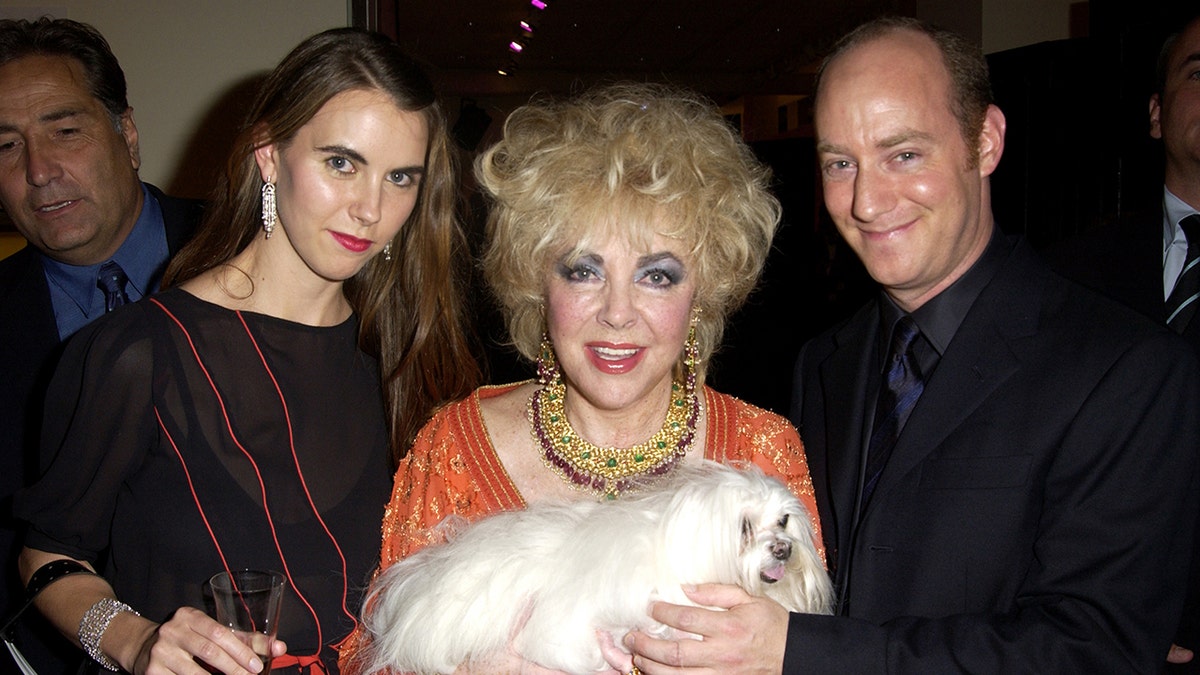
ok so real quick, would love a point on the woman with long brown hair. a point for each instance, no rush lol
(243, 418)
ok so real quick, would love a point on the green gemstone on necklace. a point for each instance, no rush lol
(594, 469)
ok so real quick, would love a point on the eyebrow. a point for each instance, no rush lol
(657, 257)
(59, 115)
(417, 169)
(48, 118)
(594, 258)
(642, 261)
(830, 148)
(892, 141)
(904, 137)
(343, 150)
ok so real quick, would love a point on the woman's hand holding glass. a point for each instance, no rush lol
(190, 636)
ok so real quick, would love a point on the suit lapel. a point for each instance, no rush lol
(845, 375)
(180, 217)
(29, 322)
(1135, 274)
(979, 359)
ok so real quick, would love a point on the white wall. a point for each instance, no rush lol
(183, 57)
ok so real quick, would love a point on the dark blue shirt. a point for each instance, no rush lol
(143, 255)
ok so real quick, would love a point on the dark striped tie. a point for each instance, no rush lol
(112, 281)
(1181, 304)
(902, 386)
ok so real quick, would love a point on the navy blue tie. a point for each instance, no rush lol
(112, 281)
(902, 386)
(1181, 304)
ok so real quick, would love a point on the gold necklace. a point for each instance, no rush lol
(610, 471)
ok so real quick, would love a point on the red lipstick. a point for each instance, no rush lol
(353, 244)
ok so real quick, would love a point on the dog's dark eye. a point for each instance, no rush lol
(784, 520)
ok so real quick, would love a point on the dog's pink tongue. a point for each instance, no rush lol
(775, 573)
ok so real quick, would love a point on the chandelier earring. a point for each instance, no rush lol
(387, 252)
(547, 366)
(691, 355)
(270, 215)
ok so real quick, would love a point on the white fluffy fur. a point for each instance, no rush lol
(588, 565)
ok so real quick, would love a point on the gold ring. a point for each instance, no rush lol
(633, 670)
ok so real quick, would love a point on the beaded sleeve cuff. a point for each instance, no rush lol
(93, 624)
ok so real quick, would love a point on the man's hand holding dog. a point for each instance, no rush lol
(749, 637)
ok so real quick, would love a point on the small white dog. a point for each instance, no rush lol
(543, 580)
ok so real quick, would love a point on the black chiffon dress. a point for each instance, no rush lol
(182, 439)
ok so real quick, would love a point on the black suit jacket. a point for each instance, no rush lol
(1029, 517)
(1123, 259)
(29, 350)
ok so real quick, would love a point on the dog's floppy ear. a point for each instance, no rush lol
(747, 532)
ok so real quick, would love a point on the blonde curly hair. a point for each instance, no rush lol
(633, 160)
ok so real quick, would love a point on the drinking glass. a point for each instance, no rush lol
(248, 602)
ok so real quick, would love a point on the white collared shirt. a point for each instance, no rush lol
(1174, 241)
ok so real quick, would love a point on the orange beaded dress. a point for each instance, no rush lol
(453, 470)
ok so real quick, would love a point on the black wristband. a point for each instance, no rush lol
(43, 577)
(51, 572)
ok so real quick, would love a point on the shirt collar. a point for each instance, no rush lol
(940, 316)
(1174, 210)
(144, 253)
(141, 256)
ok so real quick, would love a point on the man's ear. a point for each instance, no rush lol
(991, 140)
(1155, 113)
(130, 133)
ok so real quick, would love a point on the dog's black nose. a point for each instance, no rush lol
(781, 550)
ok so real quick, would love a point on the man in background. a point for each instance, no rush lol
(1140, 258)
(1150, 260)
(97, 238)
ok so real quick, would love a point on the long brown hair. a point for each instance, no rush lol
(410, 309)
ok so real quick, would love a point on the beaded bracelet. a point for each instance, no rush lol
(93, 624)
